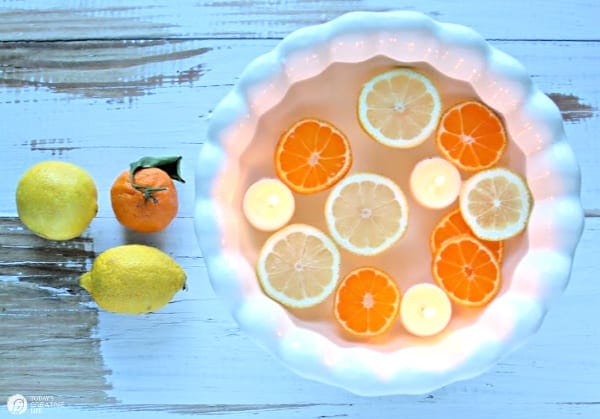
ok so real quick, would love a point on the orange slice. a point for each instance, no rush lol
(311, 156)
(367, 302)
(471, 136)
(452, 225)
(467, 271)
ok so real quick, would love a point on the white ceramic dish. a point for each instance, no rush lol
(318, 71)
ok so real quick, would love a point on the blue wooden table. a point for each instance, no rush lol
(102, 83)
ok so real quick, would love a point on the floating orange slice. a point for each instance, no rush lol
(452, 225)
(471, 136)
(467, 271)
(367, 302)
(312, 155)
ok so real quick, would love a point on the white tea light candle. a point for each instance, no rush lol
(435, 183)
(425, 310)
(268, 204)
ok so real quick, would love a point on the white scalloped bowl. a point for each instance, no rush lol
(318, 71)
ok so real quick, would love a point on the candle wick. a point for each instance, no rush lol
(437, 184)
(440, 180)
(428, 312)
(273, 201)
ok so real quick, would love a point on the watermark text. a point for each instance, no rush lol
(18, 404)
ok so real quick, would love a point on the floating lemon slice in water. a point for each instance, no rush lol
(399, 108)
(495, 204)
(366, 213)
(299, 266)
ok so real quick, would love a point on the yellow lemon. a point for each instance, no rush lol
(133, 279)
(56, 200)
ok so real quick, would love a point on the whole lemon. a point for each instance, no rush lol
(133, 279)
(56, 200)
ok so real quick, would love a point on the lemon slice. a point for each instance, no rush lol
(366, 213)
(495, 204)
(399, 108)
(299, 266)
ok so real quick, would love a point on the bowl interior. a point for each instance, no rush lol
(332, 95)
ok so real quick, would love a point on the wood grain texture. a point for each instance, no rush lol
(108, 69)
(46, 331)
(554, 374)
(140, 19)
(30, 258)
(147, 96)
(102, 83)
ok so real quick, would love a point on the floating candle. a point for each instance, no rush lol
(268, 204)
(425, 309)
(435, 183)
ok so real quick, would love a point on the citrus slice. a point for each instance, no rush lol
(298, 266)
(399, 108)
(367, 302)
(366, 213)
(452, 225)
(495, 204)
(311, 156)
(467, 271)
(471, 136)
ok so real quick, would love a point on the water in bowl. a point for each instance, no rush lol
(332, 95)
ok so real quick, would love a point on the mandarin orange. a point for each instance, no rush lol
(148, 204)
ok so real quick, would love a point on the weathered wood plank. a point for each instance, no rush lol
(420, 408)
(140, 19)
(99, 69)
(47, 344)
(31, 258)
(92, 102)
